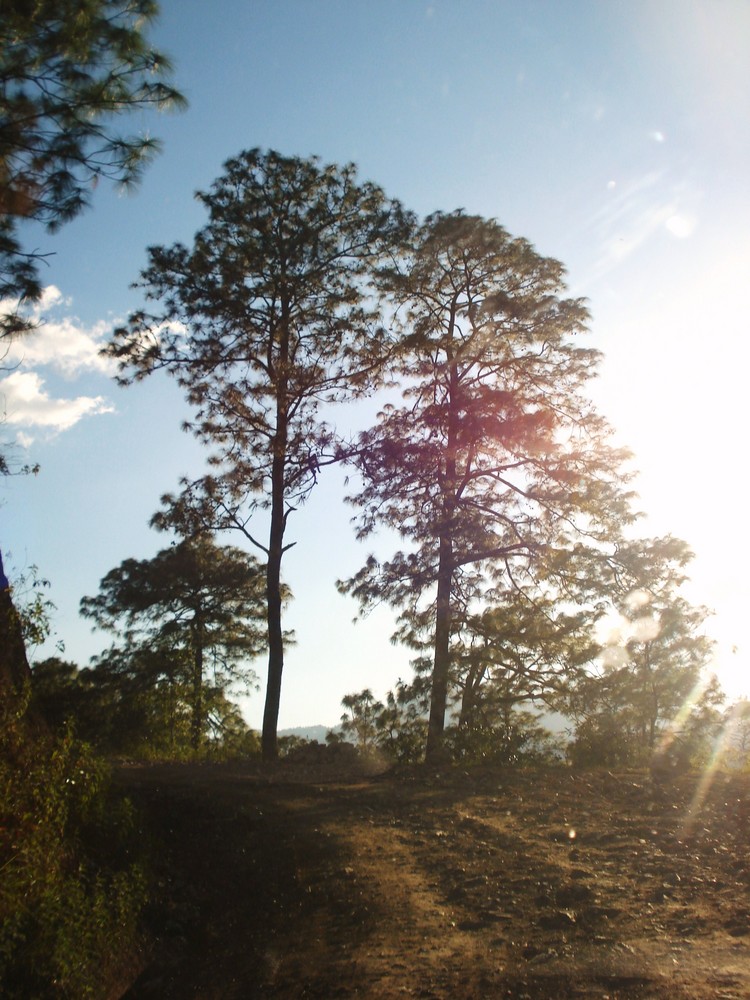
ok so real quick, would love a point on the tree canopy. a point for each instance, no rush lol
(496, 470)
(68, 71)
(194, 607)
(649, 693)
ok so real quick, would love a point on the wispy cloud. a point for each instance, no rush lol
(634, 213)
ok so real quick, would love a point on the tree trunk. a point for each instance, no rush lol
(172, 713)
(269, 744)
(474, 678)
(15, 674)
(196, 721)
(275, 634)
(441, 664)
(443, 624)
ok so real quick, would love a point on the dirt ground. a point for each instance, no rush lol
(298, 881)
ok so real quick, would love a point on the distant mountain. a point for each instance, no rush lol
(315, 733)
(553, 721)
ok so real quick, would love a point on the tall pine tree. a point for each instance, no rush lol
(496, 467)
(263, 321)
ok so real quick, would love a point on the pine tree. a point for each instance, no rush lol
(263, 322)
(194, 605)
(68, 71)
(496, 467)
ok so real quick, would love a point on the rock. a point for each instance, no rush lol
(559, 921)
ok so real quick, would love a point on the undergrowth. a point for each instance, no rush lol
(72, 880)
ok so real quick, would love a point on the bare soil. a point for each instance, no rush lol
(309, 881)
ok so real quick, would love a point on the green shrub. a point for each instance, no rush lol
(521, 742)
(71, 883)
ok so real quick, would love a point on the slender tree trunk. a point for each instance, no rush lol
(196, 721)
(443, 623)
(15, 675)
(507, 714)
(652, 697)
(269, 743)
(441, 664)
(275, 633)
(172, 712)
(474, 679)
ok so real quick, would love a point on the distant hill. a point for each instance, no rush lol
(553, 721)
(315, 733)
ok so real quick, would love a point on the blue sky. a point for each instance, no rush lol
(612, 135)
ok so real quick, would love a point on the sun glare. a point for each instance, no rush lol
(720, 758)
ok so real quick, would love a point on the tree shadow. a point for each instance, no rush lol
(250, 884)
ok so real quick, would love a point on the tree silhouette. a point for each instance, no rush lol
(496, 470)
(192, 601)
(263, 322)
(648, 688)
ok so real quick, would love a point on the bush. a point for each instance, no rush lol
(606, 740)
(517, 743)
(72, 887)
(406, 745)
(602, 740)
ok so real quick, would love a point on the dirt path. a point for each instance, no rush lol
(298, 883)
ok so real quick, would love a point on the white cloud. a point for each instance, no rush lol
(25, 440)
(51, 296)
(28, 404)
(63, 343)
(66, 347)
(60, 344)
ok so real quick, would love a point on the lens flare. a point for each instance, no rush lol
(718, 758)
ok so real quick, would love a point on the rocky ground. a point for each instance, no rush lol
(315, 881)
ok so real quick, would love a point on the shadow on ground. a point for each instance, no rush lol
(299, 882)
